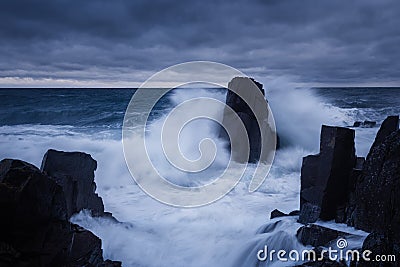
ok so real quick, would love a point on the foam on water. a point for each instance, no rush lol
(219, 234)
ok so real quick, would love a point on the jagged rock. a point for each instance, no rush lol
(374, 202)
(294, 213)
(377, 200)
(316, 235)
(277, 213)
(74, 172)
(389, 125)
(254, 91)
(309, 213)
(325, 177)
(379, 244)
(34, 229)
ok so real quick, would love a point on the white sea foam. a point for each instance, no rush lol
(219, 234)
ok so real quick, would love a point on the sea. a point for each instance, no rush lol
(227, 232)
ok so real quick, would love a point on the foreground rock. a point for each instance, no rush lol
(379, 244)
(377, 205)
(324, 177)
(254, 92)
(34, 229)
(316, 235)
(389, 125)
(74, 172)
(367, 190)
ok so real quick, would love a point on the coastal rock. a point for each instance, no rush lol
(325, 177)
(253, 91)
(316, 235)
(277, 213)
(34, 229)
(74, 172)
(389, 125)
(378, 244)
(377, 199)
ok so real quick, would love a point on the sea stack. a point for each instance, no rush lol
(241, 88)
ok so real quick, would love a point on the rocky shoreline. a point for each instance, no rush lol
(36, 206)
(336, 185)
(362, 193)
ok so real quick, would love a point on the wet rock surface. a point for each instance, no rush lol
(34, 229)
(364, 193)
(316, 235)
(324, 177)
(74, 172)
(254, 92)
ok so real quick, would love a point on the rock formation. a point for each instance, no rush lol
(377, 192)
(316, 235)
(34, 229)
(74, 172)
(254, 92)
(364, 193)
(324, 177)
(277, 213)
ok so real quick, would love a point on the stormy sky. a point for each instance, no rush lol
(120, 43)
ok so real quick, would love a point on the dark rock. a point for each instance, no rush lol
(110, 263)
(255, 93)
(86, 248)
(359, 163)
(325, 177)
(74, 172)
(309, 213)
(277, 213)
(316, 235)
(377, 200)
(34, 229)
(378, 244)
(389, 125)
(343, 211)
(294, 213)
(357, 123)
(374, 201)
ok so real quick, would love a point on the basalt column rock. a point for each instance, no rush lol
(74, 172)
(377, 205)
(389, 125)
(253, 91)
(325, 177)
(34, 226)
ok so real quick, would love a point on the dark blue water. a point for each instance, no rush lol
(105, 108)
(364, 103)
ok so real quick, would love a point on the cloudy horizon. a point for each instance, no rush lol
(121, 43)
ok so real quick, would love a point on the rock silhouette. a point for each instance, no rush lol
(254, 92)
(35, 228)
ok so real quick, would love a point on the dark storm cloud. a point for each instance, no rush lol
(309, 41)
